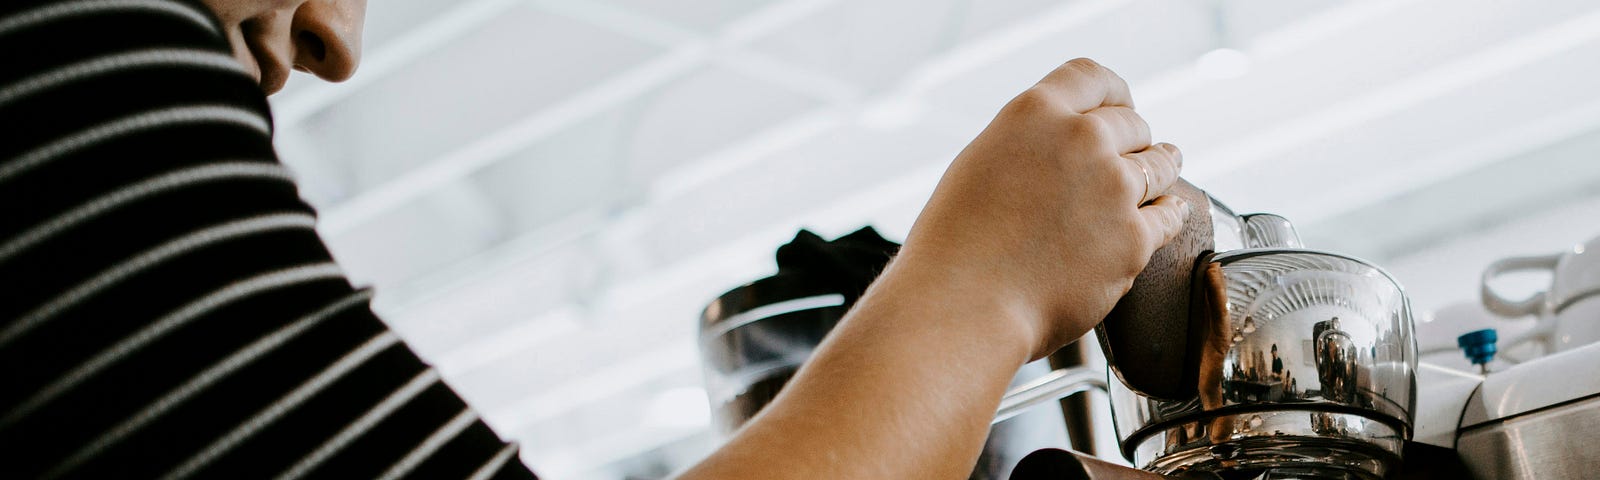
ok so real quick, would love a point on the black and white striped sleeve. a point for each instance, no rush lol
(166, 309)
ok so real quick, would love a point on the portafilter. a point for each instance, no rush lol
(1270, 359)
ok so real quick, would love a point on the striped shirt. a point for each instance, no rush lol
(166, 309)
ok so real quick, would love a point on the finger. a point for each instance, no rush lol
(1087, 85)
(1160, 165)
(1163, 219)
(1126, 130)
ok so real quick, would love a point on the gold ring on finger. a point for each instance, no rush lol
(1146, 173)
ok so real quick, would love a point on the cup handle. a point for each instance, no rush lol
(1504, 307)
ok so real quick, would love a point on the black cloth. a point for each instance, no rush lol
(845, 265)
(166, 309)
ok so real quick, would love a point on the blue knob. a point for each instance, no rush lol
(1479, 345)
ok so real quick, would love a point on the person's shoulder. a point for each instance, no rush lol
(117, 56)
(21, 15)
(76, 28)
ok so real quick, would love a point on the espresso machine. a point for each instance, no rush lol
(1239, 353)
(1242, 354)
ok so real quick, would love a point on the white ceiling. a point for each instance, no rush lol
(546, 192)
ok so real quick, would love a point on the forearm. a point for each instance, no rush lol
(904, 388)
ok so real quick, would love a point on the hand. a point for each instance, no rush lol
(1053, 209)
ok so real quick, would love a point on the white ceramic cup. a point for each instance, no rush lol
(1569, 310)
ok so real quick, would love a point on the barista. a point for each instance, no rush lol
(1277, 364)
(179, 317)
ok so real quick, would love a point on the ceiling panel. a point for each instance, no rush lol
(845, 41)
(781, 190)
(523, 303)
(579, 168)
(1272, 105)
(979, 19)
(520, 61)
(431, 232)
(1349, 167)
(390, 20)
(702, 15)
(1565, 172)
(989, 76)
(694, 116)
(1242, 22)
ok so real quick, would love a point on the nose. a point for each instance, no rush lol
(327, 37)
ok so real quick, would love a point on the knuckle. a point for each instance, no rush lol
(1122, 190)
(1086, 65)
(1084, 70)
(1034, 101)
(1121, 184)
(1172, 150)
(1169, 153)
(1087, 127)
(1140, 123)
(1095, 70)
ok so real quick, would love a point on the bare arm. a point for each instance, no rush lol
(1036, 230)
(904, 388)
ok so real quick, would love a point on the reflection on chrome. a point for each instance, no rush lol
(1306, 444)
(1307, 368)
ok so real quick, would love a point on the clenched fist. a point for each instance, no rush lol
(1053, 209)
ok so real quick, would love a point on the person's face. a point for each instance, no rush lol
(272, 37)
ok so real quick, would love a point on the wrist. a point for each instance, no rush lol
(962, 298)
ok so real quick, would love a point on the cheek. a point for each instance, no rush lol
(229, 11)
(232, 12)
